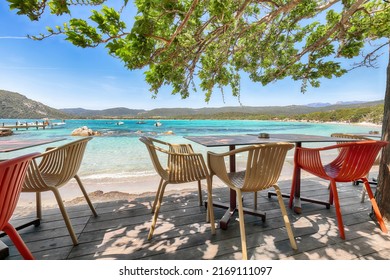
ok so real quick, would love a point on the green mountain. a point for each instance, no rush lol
(272, 111)
(16, 106)
(287, 111)
(113, 112)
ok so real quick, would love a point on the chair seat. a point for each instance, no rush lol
(50, 179)
(331, 170)
(237, 178)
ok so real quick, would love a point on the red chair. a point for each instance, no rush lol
(353, 163)
(12, 174)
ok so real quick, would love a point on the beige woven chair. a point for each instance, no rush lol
(183, 166)
(263, 168)
(175, 148)
(54, 169)
(358, 137)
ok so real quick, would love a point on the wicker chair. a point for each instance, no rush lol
(54, 169)
(12, 174)
(353, 163)
(175, 148)
(263, 168)
(183, 166)
(376, 163)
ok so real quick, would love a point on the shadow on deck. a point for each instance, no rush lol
(120, 231)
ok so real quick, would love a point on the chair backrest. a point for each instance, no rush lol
(264, 165)
(183, 165)
(359, 158)
(152, 149)
(355, 137)
(61, 164)
(349, 136)
(12, 175)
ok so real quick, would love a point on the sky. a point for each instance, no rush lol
(60, 75)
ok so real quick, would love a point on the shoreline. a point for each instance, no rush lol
(335, 122)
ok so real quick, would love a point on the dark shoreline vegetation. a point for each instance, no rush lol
(16, 106)
(371, 114)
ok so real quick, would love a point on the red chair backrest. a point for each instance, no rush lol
(358, 159)
(12, 174)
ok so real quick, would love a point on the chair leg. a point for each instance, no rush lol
(255, 201)
(363, 193)
(65, 216)
(364, 189)
(337, 208)
(242, 225)
(157, 195)
(285, 218)
(375, 206)
(210, 208)
(86, 195)
(200, 193)
(158, 205)
(18, 241)
(293, 186)
(38, 205)
(331, 199)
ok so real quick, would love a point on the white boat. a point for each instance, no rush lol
(57, 124)
(120, 123)
(157, 124)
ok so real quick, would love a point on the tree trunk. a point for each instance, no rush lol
(383, 193)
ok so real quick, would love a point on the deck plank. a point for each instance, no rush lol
(120, 231)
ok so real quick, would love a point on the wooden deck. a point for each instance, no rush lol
(120, 231)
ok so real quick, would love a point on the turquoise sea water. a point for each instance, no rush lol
(119, 155)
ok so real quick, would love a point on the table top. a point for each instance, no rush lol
(251, 139)
(14, 145)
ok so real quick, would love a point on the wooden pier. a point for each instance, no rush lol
(26, 126)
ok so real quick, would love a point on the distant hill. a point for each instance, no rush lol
(337, 103)
(318, 104)
(291, 110)
(113, 112)
(16, 106)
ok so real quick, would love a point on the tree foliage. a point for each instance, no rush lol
(192, 44)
